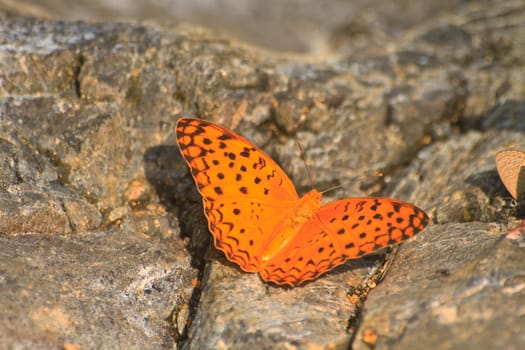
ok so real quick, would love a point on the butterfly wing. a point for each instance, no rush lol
(511, 169)
(342, 230)
(245, 193)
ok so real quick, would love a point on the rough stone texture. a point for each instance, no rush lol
(85, 237)
(460, 298)
(112, 289)
(92, 188)
(318, 26)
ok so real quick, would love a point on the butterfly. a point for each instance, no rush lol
(511, 169)
(260, 223)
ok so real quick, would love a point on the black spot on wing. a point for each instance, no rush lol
(225, 137)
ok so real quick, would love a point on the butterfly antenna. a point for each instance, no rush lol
(331, 189)
(303, 157)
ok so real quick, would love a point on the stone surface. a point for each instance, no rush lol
(460, 298)
(98, 290)
(96, 203)
(292, 25)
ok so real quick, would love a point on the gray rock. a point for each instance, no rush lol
(112, 289)
(93, 189)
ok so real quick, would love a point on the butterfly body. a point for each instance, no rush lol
(303, 211)
(261, 224)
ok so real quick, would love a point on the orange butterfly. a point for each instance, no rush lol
(260, 223)
(511, 169)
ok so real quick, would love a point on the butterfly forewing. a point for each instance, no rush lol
(342, 230)
(245, 193)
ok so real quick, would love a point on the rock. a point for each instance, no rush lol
(112, 289)
(308, 26)
(90, 257)
(453, 292)
(95, 198)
